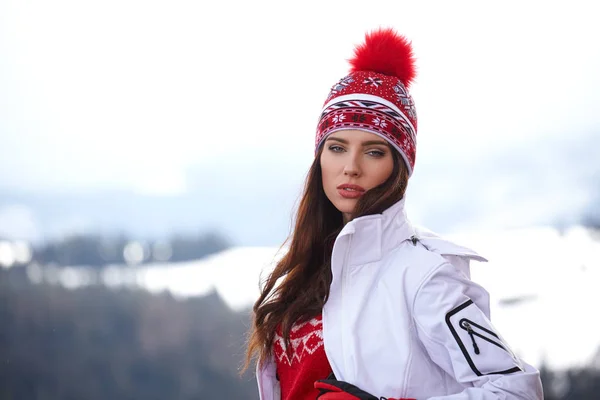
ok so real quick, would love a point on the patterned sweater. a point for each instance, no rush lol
(304, 363)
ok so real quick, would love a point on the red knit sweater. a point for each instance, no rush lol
(305, 363)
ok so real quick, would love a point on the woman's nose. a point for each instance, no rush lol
(352, 167)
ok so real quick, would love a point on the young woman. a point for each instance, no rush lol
(364, 305)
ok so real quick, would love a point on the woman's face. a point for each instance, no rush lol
(353, 162)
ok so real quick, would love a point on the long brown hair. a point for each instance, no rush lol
(306, 267)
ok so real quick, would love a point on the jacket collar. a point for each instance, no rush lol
(444, 247)
(373, 235)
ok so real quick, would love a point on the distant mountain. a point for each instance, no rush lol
(550, 181)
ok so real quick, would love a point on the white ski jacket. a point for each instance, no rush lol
(403, 319)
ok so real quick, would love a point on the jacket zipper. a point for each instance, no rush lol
(473, 329)
(344, 279)
(467, 326)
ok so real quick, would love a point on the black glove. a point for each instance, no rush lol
(332, 389)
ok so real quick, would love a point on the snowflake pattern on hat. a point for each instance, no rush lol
(338, 118)
(379, 122)
(341, 85)
(405, 99)
(373, 81)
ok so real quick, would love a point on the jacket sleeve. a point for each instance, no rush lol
(451, 315)
(268, 384)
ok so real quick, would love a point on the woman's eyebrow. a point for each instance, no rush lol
(337, 139)
(370, 142)
(366, 143)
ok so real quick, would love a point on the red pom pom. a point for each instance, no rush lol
(385, 52)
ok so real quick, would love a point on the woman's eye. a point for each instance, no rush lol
(376, 153)
(336, 149)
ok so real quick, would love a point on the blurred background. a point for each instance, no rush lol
(152, 153)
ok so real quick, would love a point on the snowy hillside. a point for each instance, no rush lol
(544, 286)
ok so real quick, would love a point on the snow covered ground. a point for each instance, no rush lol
(544, 286)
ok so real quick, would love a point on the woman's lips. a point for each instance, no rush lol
(350, 191)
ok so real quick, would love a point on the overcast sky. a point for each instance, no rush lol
(153, 95)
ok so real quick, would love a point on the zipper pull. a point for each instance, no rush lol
(470, 332)
(414, 240)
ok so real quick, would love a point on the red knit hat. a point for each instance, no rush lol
(374, 97)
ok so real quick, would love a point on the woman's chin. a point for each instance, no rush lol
(345, 206)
